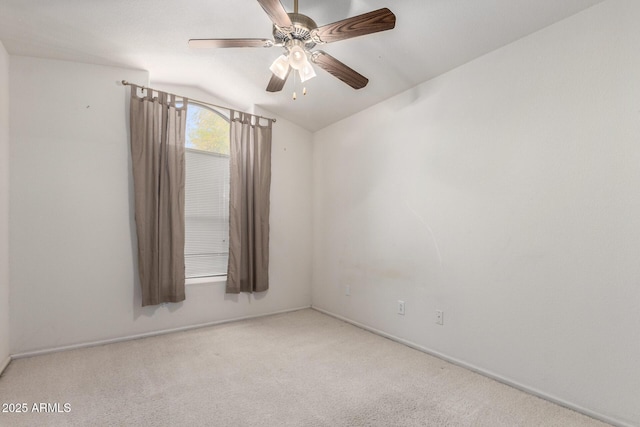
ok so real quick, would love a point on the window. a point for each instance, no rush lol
(206, 192)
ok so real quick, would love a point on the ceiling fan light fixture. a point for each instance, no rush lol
(307, 72)
(297, 57)
(280, 67)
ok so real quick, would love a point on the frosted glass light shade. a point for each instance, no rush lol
(307, 72)
(280, 67)
(297, 57)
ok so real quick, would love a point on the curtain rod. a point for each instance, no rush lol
(126, 83)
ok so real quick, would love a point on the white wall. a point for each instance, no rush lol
(506, 193)
(4, 207)
(73, 274)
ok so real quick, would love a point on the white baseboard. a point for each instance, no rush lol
(145, 335)
(481, 371)
(4, 364)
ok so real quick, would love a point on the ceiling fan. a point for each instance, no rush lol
(299, 34)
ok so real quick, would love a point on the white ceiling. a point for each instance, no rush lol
(430, 38)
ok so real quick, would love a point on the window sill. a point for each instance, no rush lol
(205, 280)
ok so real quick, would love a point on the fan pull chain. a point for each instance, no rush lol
(294, 85)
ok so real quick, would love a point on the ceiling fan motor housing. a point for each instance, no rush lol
(301, 30)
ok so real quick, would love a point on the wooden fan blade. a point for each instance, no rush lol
(276, 83)
(339, 70)
(276, 12)
(216, 43)
(372, 22)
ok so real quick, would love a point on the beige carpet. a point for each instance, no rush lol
(296, 369)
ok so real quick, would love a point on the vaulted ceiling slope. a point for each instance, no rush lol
(431, 37)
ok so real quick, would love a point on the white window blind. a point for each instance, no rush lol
(206, 213)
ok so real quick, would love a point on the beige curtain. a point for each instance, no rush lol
(157, 152)
(250, 183)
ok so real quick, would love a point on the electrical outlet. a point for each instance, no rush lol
(439, 317)
(347, 290)
(401, 307)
